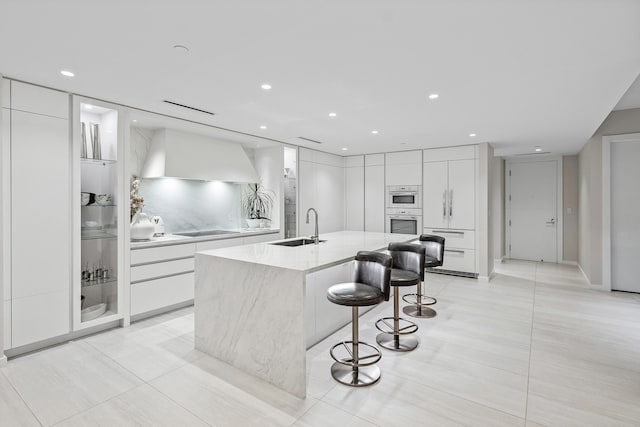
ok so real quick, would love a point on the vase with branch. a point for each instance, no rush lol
(257, 203)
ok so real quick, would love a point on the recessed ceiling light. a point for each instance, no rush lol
(332, 114)
(434, 96)
(135, 121)
(538, 149)
(472, 135)
(67, 73)
(263, 127)
(375, 132)
(181, 48)
(344, 148)
(266, 86)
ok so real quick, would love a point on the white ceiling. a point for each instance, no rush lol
(517, 73)
(631, 98)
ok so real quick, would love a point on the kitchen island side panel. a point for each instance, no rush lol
(251, 316)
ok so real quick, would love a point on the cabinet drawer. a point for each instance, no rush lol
(458, 239)
(259, 239)
(217, 244)
(39, 100)
(160, 293)
(161, 253)
(460, 260)
(161, 269)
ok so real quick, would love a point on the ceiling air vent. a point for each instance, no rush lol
(309, 139)
(534, 154)
(188, 107)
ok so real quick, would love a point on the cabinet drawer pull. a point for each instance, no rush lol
(454, 251)
(449, 232)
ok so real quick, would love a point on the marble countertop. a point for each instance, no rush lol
(174, 239)
(340, 247)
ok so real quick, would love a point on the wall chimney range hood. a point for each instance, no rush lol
(189, 156)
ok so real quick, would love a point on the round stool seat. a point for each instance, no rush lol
(404, 278)
(354, 294)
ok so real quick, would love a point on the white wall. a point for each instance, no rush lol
(590, 191)
(570, 208)
(497, 207)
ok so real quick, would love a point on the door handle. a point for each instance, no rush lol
(552, 222)
(444, 203)
(450, 203)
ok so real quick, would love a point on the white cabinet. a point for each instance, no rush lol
(161, 293)
(354, 193)
(449, 203)
(6, 94)
(7, 324)
(40, 214)
(321, 186)
(39, 100)
(374, 187)
(449, 194)
(404, 168)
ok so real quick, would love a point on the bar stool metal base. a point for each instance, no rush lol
(363, 376)
(397, 343)
(419, 311)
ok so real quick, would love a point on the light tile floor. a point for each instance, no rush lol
(533, 347)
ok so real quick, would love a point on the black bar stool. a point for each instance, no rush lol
(434, 257)
(408, 270)
(370, 287)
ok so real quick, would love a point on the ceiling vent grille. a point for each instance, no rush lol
(188, 107)
(309, 139)
(534, 154)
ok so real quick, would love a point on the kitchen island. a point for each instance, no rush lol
(258, 307)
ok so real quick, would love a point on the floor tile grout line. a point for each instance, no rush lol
(21, 398)
(176, 402)
(533, 314)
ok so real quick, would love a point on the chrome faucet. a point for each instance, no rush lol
(316, 237)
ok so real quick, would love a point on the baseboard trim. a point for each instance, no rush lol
(488, 278)
(574, 263)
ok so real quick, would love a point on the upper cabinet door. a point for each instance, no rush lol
(354, 194)
(39, 100)
(435, 192)
(462, 194)
(374, 198)
(404, 168)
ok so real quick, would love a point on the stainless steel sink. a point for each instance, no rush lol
(205, 233)
(296, 242)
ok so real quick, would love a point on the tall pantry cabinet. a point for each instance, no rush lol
(449, 204)
(38, 263)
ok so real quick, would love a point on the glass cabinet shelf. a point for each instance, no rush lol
(94, 236)
(96, 205)
(87, 283)
(98, 161)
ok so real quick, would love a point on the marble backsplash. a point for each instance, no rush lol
(188, 205)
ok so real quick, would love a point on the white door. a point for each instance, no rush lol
(462, 194)
(435, 192)
(625, 215)
(532, 210)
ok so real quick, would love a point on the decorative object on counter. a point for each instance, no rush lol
(136, 202)
(141, 227)
(83, 143)
(104, 199)
(256, 204)
(159, 226)
(87, 198)
(93, 312)
(96, 147)
(82, 298)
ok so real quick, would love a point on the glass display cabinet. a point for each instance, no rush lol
(99, 213)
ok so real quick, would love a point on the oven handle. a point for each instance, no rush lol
(402, 217)
(454, 251)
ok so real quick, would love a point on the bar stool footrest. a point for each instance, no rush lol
(376, 356)
(416, 299)
(410, 327)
